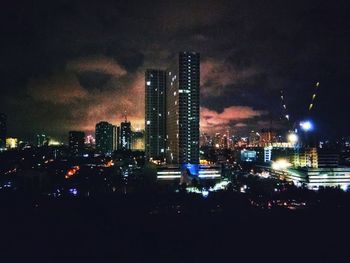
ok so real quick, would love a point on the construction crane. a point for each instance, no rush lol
(305, 125)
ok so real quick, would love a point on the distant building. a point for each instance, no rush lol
(313, 167)
(183, 111)
(3, 130)
(42, 140)
(104, 135)
(204, 140)
(155, 114)
(267, 137)
(254, 138)
(76, 142)
(138, 141)
(267, 154)
(175, 173)
(305, 157)
(125, 135)
(248, 156)
(328, 158)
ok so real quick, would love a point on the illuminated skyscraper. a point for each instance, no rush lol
(155, 113)
(76, 142)
(125, 135)
(3, 130)
(104, 137)
(183, 110)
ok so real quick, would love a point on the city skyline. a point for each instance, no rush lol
(182, 131)
(94, 70)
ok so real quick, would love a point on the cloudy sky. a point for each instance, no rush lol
(65, 65)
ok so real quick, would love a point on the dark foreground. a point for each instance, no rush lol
(168, 228)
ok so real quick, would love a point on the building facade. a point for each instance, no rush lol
(183, 110)
(104, 137)
(125, 135)
(155, 114)
(172, 122)
(76, 142)
(189, 81)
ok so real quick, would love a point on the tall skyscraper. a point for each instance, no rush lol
(104, 137)
(3, 130)
(76, 142)
(155, 114)
(183, 110)
(172, 121)
(125, 135)
(115, 137)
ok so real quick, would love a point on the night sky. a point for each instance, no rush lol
(66, 65)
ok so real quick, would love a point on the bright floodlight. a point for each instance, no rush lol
(306, 125)
(292, 138)
(281, 164)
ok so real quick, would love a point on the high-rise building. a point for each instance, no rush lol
(155, 114)
(76, 142)
(118, 138)
(125, 135)
(267, 137)
(3, 130)
(115, 137)
(183, 110)
(172, 118)
(104, 137)
(254, 139)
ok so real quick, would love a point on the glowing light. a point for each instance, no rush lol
(54, 143)
(168, 176)
(109, 163)
(11, 143)
(73, 191)
(205, 193)
(292, 138)
(72, 172)
(281, 164)
(213, 175)
(306, 125)
(203, 162)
